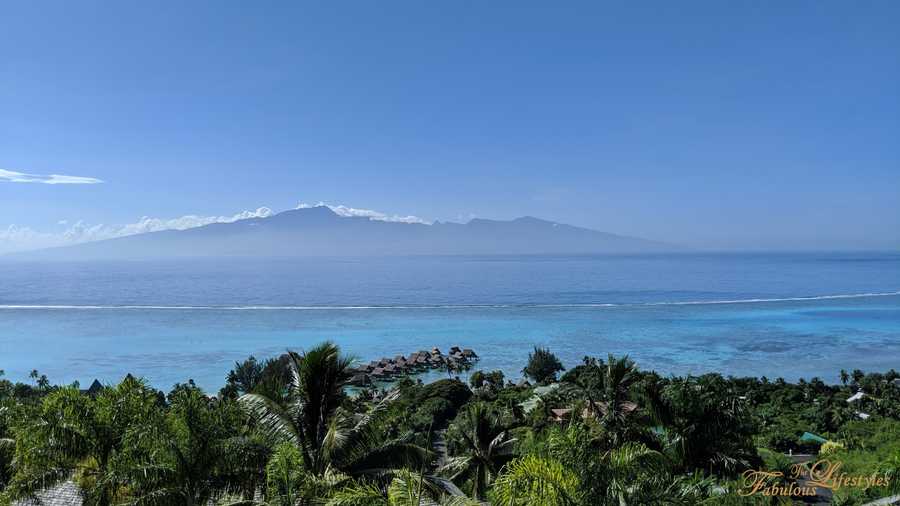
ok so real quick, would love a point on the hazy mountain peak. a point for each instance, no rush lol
(320, 231)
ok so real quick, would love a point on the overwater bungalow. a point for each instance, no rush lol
(388, 369)
(360, 380)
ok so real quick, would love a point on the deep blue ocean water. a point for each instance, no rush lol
(785, 315)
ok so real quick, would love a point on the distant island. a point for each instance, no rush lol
(319, 231)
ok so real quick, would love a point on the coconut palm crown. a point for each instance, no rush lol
(310, 416)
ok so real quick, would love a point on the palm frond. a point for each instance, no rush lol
(358, 494)
(272, 418)
(533, 480)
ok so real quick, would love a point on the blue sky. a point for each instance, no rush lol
(709, 124)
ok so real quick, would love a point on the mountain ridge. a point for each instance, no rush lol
(319, 231)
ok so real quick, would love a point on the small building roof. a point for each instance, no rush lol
(809, 436)
(94, 389)
(63, 494)
(857, 396)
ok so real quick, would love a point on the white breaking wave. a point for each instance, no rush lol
(446, 306)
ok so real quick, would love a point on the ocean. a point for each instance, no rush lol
(787, 315)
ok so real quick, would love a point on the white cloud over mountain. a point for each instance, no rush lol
(17, 238)
(11, 176)
(342, 210)
(23, 238)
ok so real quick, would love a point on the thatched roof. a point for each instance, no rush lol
(64, 494)
(561, 413)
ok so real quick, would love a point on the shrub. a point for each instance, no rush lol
(542, 366)
(830, 447)
(453, 390)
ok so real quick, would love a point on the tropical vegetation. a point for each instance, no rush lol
(290, 431)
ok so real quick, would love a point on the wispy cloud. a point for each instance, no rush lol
(348, 212)
(22, 238)
(11, 176)
(18, 238)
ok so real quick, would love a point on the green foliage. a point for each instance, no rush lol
(480, 445)
(453, 390)
(290, 429)
(311, 418)
(830, 447)
(243, 379)
(7, 443)
(533, 480)
(872, 447)
(705, 424)
(542, 366)
(184, 457)
(75, 434)
(492, 379)
(630, 473)
(606, 389)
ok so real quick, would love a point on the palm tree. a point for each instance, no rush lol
(7, 447)
(74, 435)
(187, 458)
(606, 387)
(487, 446)
(244, 378)
(455, 366)
(533, 480)
(406, 488)
(5, 442)
(705, 425)
(328, 438)
(628, 474)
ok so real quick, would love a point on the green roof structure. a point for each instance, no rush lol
(810, 437)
